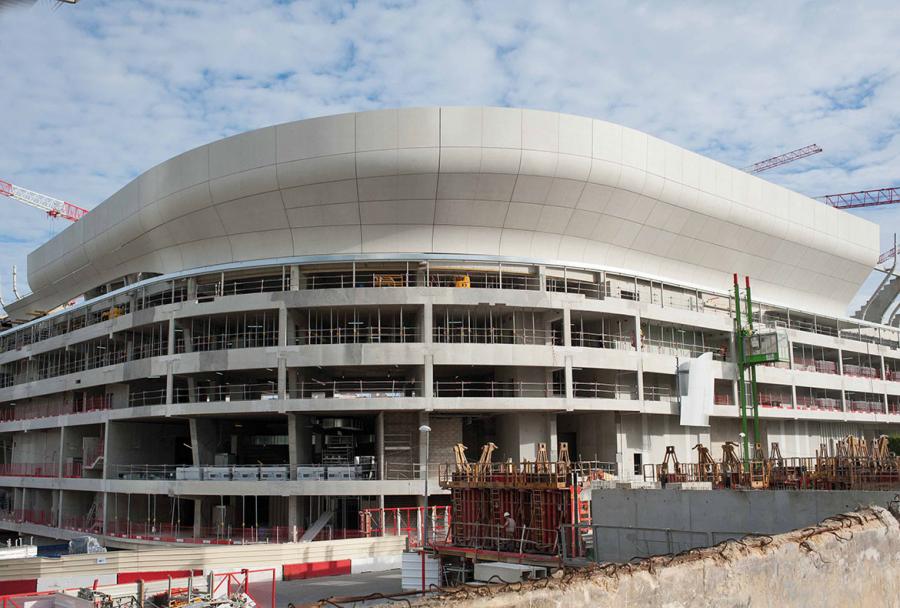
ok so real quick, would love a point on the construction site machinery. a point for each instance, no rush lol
(753, 348)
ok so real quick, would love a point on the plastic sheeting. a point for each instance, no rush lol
(697, 402)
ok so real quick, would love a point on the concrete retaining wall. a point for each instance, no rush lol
(851, 561)
(639, 523)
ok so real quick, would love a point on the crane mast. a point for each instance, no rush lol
(49, 205)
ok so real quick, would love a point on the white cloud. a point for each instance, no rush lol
(96, 93)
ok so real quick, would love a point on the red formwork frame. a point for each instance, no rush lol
(239, 581)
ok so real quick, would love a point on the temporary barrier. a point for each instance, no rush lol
(258, 584)
(406, 521)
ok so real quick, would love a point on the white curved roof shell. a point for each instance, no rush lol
(470, 180)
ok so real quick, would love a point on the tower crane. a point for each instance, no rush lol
(863, 198)
(783, 159)
(49, 205)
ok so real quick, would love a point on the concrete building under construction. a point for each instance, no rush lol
(245, 340)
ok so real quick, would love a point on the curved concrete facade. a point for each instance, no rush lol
(328, 286)
(489, 181)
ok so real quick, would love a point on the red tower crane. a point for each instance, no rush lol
(863, 198)
(49, 205)
(783, 159)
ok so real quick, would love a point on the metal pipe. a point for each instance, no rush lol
(15, 287)
(739, 364)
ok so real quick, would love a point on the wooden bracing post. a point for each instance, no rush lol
(462, 465)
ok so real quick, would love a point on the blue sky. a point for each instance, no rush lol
(96, 93)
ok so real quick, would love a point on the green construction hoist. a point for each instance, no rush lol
(753, 347)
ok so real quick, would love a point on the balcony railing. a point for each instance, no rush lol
(482, 335)
(356, 389)
(30, 469)
(828, 404)
(31, 516)
(604, 390)
(723, 399)
(228, 341)
(660, 393)
(242, 286)
(822, 366)
(206, 394)
(356, 335)
(230, 392)
(681, 349)
(861, 371)
(599, 340)
(483, 280)
(362, 471)
(29, 411)
(865, 406)
(511, 388)
(347, 280)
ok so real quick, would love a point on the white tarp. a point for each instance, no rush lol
(697, 402)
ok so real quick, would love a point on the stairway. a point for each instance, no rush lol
(880, 301)
(317, 527)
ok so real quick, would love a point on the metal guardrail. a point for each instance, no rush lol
(365, 470)
(491, 389)
(600, 340)
(356, 389)
(499, 335)
(228, 341)
(603, 390)
(356, 335)
(680, 349)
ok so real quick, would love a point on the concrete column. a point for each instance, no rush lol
(542, 277)
(299, 442)
(283, 326)
(379, 446)
(58, 494)
(170, 383)
(203, 441)
(61, 451)
(106, 466)
(191, 289)
(198, 517)
(104, 506)
(519, 434)
(282, 379)
(427, 328)
(567, 327)
(428, 381)
(640, 360)
(170, 350)
(423, 454)
(295, 277)
(553, 442)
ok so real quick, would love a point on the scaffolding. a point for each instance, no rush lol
(853, 464)
(517, 508)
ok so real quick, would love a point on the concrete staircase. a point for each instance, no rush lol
(880, 301)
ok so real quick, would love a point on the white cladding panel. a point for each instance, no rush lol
(488, 181)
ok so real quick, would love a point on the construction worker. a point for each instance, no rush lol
(509, 527)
